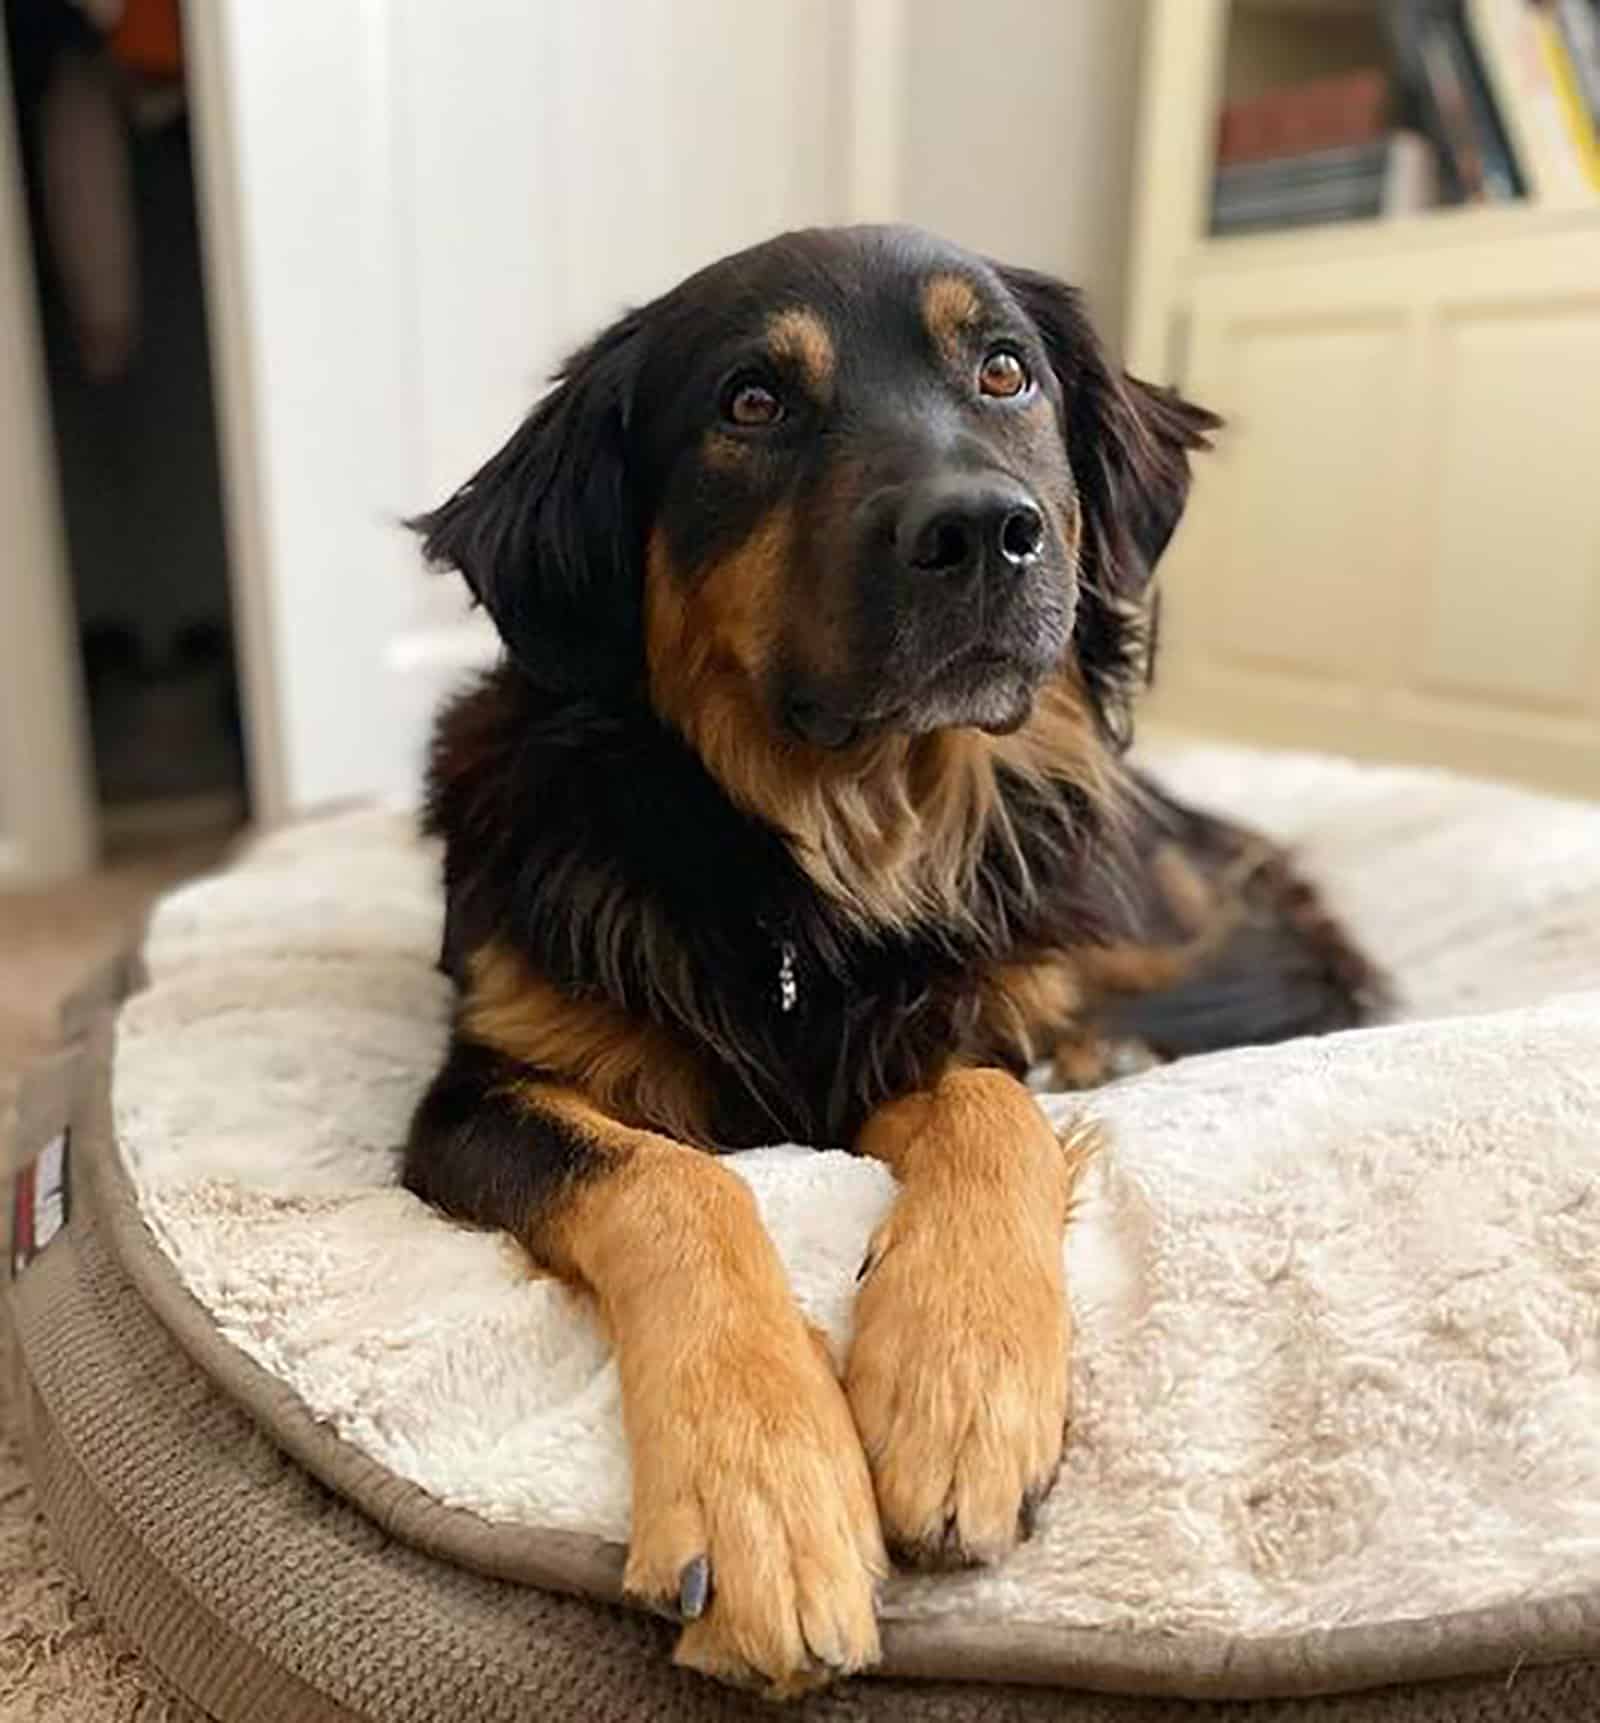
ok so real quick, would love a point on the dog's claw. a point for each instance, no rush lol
(940, 1551)
(694, 1588)
(876, 1247)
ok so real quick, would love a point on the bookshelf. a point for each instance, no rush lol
(1396, 551)
(1445, 225)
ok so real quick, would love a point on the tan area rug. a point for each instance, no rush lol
(59, 1663)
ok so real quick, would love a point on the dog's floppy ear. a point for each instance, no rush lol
(1129, 445)
(546, 531)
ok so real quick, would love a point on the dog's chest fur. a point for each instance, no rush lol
(593, 843)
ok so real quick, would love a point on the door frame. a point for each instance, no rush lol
(47, 812)
(234, 390)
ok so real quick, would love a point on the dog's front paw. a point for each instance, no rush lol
(753, 1517)
(957, 1376)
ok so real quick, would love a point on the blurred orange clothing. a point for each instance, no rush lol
(148, 39)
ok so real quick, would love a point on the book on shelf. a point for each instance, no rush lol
(1567, 75)
(1445, 90)
(1541, 99)
(1486, 101)
(1303, 118)
(1393, 176)
(1579, 24)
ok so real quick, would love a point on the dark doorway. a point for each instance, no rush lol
(102, 121)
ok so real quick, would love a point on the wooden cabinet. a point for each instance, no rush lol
(1395, 551)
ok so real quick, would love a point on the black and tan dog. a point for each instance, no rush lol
(796, 811)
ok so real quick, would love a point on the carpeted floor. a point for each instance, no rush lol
(59, 1662)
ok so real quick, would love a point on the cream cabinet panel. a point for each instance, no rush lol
(1276, 607)
(1396, 549)
(1512, 554)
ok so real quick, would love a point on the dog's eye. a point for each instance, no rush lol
(751, 404)
(1002, 373)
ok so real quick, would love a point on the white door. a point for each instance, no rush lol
(46, 815)
(413, 211)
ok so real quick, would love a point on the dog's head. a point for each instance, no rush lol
(851, 483)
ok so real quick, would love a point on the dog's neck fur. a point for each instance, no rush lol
(618, 865)
(893, 829)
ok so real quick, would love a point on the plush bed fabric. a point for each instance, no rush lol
(268, 1600)
(1338, 1354)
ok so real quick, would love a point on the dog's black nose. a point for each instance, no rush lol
(963, 524)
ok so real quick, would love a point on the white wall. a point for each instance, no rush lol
(1019, 128)
(435, 202)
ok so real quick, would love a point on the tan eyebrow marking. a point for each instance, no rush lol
(950, 304)
(801, 337)
(725, 452)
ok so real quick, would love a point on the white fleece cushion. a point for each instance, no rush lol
(1338, 1302)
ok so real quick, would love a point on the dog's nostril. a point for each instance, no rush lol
(965, 526)
(945, 542)
(1021, 534)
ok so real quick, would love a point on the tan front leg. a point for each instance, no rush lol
(752, 1508)
(957, 1376)
(753, 1515)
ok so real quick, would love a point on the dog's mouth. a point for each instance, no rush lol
(980, 687)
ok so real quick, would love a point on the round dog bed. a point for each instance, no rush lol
(1338, 1324)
